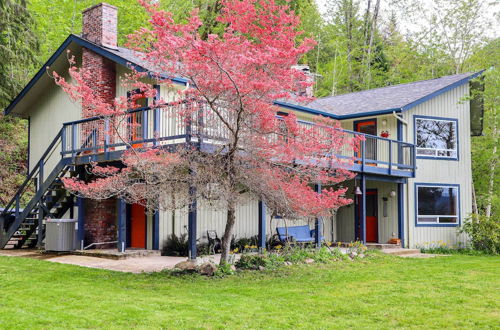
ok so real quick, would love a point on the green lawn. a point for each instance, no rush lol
(382, 292)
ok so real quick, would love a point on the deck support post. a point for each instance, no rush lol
(122, 225)
(317, 222)
(262, 227)
(80, 202)
(363, 208)
(192, 215)
(156, 230)
(401, 231)
(40, 225)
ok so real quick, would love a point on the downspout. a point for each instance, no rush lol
(407, 204)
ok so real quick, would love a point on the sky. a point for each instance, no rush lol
(413, 25)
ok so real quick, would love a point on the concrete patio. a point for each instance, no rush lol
(135, 264)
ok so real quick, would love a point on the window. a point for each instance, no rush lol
(437, 204)
(436, 137)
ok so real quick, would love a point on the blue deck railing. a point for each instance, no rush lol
(147, 127)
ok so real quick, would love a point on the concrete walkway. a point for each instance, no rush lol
(133, 265)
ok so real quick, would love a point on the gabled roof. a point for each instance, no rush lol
(123, 56)
(383, 100)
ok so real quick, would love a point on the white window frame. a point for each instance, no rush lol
(418, 217)
(436, 151)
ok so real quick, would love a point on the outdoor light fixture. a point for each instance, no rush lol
(358, 191)
(392, 194)
(384, 122)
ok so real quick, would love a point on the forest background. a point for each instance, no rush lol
(362, 44)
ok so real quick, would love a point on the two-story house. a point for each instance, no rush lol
(413, 182)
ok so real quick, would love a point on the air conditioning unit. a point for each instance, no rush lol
(60, 235)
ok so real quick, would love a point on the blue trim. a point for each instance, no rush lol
(304, 109)
(317, 221)
(84, 43)
(441, 91)
(370, 113)
(401, 208)
(156, 230)
(331, 115)
(382, 111)
(29, 146)
(122, 225)
(80, 202)
(192, 217)
(426, 184)
(415, 117)
(262, 226)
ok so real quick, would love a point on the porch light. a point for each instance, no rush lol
(358, 191)
(384, 122)
(392, 194)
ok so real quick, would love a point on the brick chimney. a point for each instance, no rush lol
(99, 27)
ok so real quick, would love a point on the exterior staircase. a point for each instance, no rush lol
(25, 227)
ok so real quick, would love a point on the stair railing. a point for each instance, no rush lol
(35, 177)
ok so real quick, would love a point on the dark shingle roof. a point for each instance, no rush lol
(397, 97)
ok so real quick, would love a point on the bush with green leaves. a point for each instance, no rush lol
(251, 261)
(175, 246)
(224, 270)
(484, 233)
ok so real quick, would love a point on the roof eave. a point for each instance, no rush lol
(84, 43)
(441, 91)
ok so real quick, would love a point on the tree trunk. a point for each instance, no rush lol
(373, 30)
(228, 232)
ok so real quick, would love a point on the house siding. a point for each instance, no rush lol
(54, 107)
(447, 105)
(214, 218)
(387, 226)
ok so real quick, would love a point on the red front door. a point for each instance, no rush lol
(137, 226)
(371, 216)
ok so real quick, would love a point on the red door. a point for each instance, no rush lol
(371, 216)
(368, 127)
(137, 226)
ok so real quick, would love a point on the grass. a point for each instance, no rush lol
(376, 292)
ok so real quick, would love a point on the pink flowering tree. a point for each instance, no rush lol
(234, 78)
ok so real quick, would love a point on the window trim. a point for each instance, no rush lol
(434, 185)
(415, 117)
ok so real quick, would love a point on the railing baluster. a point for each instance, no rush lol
(363, 153)
(73, 140)
(106, 134)
(390, 157)
(17, 206)
(63, 141)
(40, 172)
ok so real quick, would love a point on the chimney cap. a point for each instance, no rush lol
(103, 4)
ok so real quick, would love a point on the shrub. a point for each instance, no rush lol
(244, 244)
(323, 255)
(484, 233)
(176, 246)
(296, 254)
(224, 270)
(248, 261)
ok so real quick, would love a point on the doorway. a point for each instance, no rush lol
(138, 226)
(371, 216)
(368, 127)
